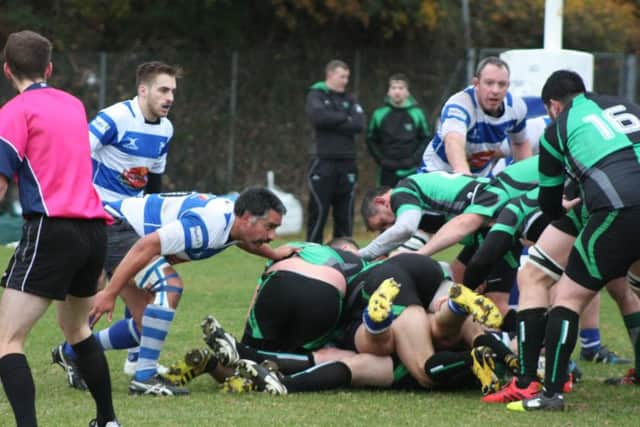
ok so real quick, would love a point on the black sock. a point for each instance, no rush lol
(449, 368)
(211, 365)
(510, 321)
(532, 323)
(291, 363)
(327, 376)
(95, 371)
(287, 363)
(562, 334)
(19, 387)
(499, 348)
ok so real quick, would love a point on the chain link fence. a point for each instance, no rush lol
(239, 114)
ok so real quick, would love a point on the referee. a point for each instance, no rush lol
(44, 143)
(336, 119)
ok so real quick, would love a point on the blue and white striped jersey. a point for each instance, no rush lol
(535, 129)
(484, 133)
(192, 226)
(125, 148)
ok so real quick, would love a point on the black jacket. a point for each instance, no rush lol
(397, 136)
(336, 119)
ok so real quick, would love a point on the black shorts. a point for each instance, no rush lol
(402, 379)
(419, 277)
(57, 257)
(120, 238)
(571, 222)
(502, 276)
(466, 253)
(605, 248)
(292, 313)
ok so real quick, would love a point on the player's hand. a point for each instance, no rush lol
(481, 158)
(569, 204)
(284, 251)
(103, 303)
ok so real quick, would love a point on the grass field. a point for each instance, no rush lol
(223, 285)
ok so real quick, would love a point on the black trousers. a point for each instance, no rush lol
(332, 184)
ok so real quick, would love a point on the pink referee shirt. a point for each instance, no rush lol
(44, 145)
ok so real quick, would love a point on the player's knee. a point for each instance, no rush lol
(633, 277)
(624, 292)
(158, 275)
(539, 270)
(75, 333)
(378, 344)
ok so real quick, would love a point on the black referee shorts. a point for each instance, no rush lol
(57, 257)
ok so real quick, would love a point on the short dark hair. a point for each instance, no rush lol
(338, 242)
(493, 60)
(27, 54)
(258, 201)
(368, 207)
(335, 63)
(563, 86)
(399, 77)
(147, 71)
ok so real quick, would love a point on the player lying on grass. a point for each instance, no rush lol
(172, 229)
(228, 350)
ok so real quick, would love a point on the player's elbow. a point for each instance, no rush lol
(148, 245)
(468, 223)
(404, 232)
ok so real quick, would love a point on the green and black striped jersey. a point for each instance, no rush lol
(595, 141)
(518, 178)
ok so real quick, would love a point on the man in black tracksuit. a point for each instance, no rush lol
(336, 119)
(398, 133)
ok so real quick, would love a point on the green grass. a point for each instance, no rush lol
(223, 285)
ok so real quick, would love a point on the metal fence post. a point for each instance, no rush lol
(233, 102)
(631, 77)
(469, 52)
(356, 72)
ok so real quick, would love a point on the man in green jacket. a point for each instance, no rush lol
(398, 133)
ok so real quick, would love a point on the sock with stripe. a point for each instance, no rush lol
(589, 340)
(531, 324)
(632, 323)
(132, 352)
(456, 309)
(156, 321)
(326, 376)
(288, 363)
(498, 347)
(449, 368)
(561, 337)
(122, 334)
(374, 327)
